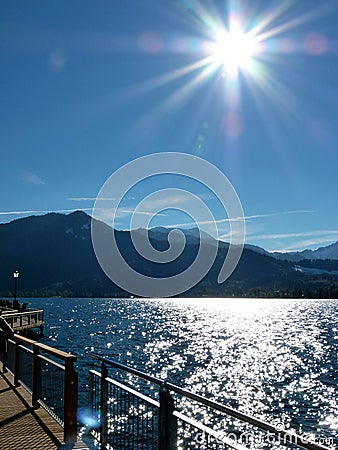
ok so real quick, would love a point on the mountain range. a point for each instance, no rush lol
(328, 252)
(54, 256)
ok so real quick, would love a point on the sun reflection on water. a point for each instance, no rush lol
(267, 358)
(274, 359)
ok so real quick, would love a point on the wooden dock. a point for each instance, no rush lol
(23, 427)
(38, 397)
(26, 320)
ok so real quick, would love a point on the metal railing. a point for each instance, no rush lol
(123, 413)
(25, 320)
(7, 310)
(127, 419)
(52, 380)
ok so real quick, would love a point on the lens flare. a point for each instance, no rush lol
(234, 50)
(89, 419)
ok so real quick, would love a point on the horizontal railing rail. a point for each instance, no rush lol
(6, 310)
(25, 320)
(128, 389)
(26, 359)
(283, 435)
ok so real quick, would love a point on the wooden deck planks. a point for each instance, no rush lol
(25, 428)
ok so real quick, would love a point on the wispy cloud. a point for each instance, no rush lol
(32, 178)
(126, 211)
(161, 200)
(81, 199)
(119, 213)
(315, 242)
(93, 199)
(281, 213)
(295, 241)
(39, 211)
(246, 218)
(90, 199)
(150, 207)
(308, 240)
(296, 235)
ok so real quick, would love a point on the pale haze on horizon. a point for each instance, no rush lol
(251, 87)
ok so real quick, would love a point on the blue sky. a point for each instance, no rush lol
(88, 86)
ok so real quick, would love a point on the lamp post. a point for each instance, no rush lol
(16, 276)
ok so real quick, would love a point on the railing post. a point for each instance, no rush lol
(37, 377)
(70, 405)
(16, 363)
(91, 393)
(104, 407)
(167, 439)
(4, 361)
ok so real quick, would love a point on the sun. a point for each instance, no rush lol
(233, 50)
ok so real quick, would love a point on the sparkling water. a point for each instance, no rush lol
(275, 359)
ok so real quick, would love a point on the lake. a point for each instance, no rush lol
(275, 359)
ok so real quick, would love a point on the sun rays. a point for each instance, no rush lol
(232, 46)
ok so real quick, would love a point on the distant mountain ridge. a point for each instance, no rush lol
(328, 252)
(54, 255)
